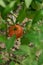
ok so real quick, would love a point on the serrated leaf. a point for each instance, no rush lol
(19, 52)
(23, 51)
(12, 63)
(3, 25)
(34, 37)
(28, 2)
(40, 61)
(8, 8)
(22, 15)
(27, 61)
(2, 38)
(38, 16)
(35, 62)
(25, 39)
(10, 42)
(25, 48)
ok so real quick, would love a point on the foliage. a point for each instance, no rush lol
(32, 38)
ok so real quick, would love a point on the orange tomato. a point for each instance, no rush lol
(15, 29)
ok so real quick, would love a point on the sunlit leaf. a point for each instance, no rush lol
(8, 8)
(28, 2)
(2, 3)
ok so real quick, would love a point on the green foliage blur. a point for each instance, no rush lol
(32, 39)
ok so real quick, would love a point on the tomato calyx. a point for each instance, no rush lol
(15, 29)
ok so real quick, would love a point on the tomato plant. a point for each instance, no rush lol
(21, 32)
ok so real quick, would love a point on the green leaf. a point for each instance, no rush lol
(25, 39)
(2, 38)
(28, 2)
(36, 5)
(2, 3)
(40, 61)
(40, 1)
(31, 14)
(24, 50)
(1, 61)
(16, 64)
(12, 63)
(25, 62)
(22, 15)
(3, 25)
(8, 8)
(33, 36)
(19, 52)
(35, 62)
(29, 61)
(38, 16)
(10, 42)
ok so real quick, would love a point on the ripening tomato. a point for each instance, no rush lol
(15, 29)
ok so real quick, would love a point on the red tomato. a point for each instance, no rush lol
(15, 29)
